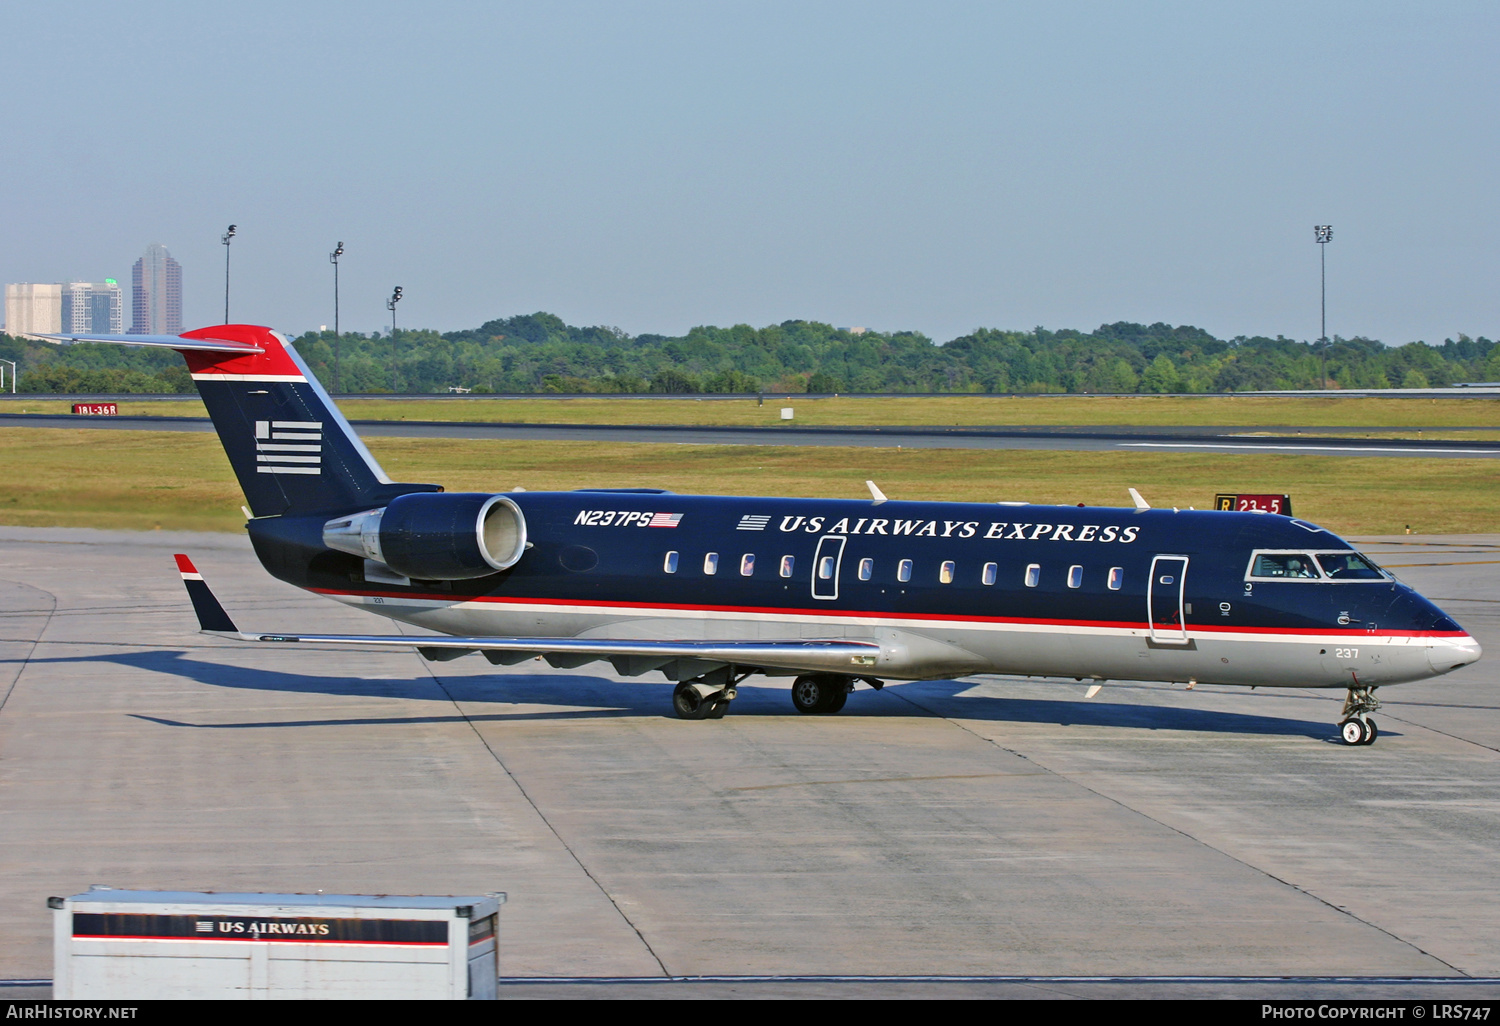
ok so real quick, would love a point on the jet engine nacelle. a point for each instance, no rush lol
(435, 536)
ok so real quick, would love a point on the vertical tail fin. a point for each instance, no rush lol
(289, 445)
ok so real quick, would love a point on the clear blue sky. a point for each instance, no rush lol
(931, 166)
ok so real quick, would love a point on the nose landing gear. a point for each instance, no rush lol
(1357, 728)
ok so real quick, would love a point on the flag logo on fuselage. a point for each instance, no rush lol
(289, 446)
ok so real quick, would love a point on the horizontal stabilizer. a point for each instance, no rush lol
(177, 342)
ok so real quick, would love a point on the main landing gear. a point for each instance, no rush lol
(1357, 728)
(708, 697)
(821, 693)
(698, 700)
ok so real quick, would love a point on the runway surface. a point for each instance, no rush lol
(1077, 439)
(989, 837)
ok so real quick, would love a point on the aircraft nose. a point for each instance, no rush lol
(1453, 654)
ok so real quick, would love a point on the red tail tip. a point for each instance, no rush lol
(184, 564)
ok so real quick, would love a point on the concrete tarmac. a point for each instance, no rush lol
(1006, 834)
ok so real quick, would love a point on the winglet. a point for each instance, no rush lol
(875, 493)
(211, 615)
(1140, 503)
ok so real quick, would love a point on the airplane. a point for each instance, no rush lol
(709, 590)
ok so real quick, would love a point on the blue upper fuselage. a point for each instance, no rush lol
(1054, 564)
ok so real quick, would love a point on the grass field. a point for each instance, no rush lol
(140, 480)
(1216, 410)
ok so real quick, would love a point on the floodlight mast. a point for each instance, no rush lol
(334, 259)
(1323, 234)
(390, 304)
(225, 239)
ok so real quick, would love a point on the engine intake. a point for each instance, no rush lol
(431, 536)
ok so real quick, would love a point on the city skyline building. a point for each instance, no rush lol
(156, 293)
(32, 308)
(93, 307)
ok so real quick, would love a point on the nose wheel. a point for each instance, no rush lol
(1359, 732)
(1357, 728)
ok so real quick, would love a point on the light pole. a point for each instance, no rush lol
(225, 239)
(1323, 234)
(334, 259)
(390, 304)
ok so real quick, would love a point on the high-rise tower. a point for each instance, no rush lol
(92, 307)
(33, 308)
(156, 293)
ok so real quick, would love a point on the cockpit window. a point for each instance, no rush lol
(1284, 565)
(1348, 566)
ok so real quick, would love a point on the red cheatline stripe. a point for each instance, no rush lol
(247, 938)
(1352, 632)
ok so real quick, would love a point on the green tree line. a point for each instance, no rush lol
(538, 353)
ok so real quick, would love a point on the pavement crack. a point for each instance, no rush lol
(25, 660)
(521, 788)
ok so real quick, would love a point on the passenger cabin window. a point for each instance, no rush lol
(670, 563)
(945, 572)
(1033, 574)
(991, 571)
(866, 569)
(825, 568)
(711, 563)
(747, 565)
(787, 562)
(903, 571)
(1348, 566)
(1284, 565)
(1116, 577)
(1075, 576)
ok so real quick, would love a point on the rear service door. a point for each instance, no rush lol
(1164, 600)
(825, 571)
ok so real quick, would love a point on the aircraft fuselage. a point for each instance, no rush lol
(945, 589)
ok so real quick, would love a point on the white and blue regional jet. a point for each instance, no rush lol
(708, 590)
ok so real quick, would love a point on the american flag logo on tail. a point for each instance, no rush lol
(289, 446)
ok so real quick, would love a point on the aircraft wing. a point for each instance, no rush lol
(630, 658)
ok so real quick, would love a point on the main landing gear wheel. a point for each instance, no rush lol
(690, 705)
(820, 693)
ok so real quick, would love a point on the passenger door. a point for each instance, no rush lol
(1164, 600)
